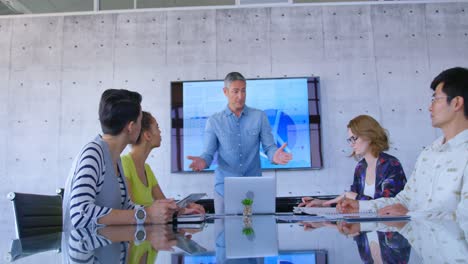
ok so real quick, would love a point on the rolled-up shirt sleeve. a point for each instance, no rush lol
(266, 137)
(211, 143)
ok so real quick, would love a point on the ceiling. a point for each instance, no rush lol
(12, 7)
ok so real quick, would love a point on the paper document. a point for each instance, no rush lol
(378, 218)
(298, 218)
(329, 213)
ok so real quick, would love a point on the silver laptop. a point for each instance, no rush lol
(262, 190)
(257, 238)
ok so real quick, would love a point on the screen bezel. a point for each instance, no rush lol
(321, 255)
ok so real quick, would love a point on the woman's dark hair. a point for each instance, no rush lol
(146, 121)
(117, 108)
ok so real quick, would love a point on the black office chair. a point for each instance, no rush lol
(28, 246)
(36, 214)
(60, 191)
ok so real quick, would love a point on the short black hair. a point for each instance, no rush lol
(455, 82)
(117, 108)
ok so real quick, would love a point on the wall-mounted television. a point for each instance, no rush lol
(291, 104)
(318, 256)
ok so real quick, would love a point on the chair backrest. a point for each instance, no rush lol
(60, 191)
(36, 214)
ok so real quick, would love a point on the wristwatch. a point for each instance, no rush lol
(140, 215)
(140, 235)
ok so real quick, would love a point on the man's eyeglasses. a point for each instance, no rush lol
(352, 139)
(435, 98)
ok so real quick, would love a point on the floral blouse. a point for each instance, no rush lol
(390, 178)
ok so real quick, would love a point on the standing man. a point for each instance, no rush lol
(236, 133)
(96, 192)
(439, 183)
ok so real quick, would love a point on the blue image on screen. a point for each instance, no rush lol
(285, 101)
(203, 259)
(292, 258)
(283, 258)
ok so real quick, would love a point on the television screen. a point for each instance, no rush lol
(284, 257)
(291, 105)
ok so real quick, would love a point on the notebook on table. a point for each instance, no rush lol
(331, 213)
(262, 190)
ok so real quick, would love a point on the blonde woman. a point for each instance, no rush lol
(377, 173)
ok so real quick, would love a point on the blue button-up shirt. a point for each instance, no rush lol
(237, 141)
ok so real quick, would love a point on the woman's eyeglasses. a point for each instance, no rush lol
(352, 139)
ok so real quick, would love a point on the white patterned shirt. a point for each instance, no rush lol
(438, 186)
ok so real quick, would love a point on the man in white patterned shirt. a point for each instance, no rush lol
(96, 192)
(438, 186)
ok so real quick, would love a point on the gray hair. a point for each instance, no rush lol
(231, 77)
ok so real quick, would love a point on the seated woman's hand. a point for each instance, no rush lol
(349, 229)
(311, 202)
(161, 237)
(192, 208)
(161, 211)
(334, 200)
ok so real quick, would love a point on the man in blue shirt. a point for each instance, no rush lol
(236, 133)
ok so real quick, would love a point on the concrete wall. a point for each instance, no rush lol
(371, 59)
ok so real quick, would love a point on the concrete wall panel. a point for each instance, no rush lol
(5, 30)
(5, 41)
(191, 44)
(140, 50)
(296, 51)
(447, 34)
(37, 43)
(79, 121)
(399, 32)
(347, 32)
(88, 69)
(243, 42)
(6, 181)
(33, 102)
(404, 101)
(88, 42)
(4, 129)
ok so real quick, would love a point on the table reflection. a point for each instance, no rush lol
(259, 239)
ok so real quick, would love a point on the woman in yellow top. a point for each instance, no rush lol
(141, 182)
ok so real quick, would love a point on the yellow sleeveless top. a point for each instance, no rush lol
(142, 194)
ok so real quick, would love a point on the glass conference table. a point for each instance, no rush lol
(258, 239)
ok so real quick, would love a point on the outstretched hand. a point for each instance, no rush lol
(282, 157)
(198, 164)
